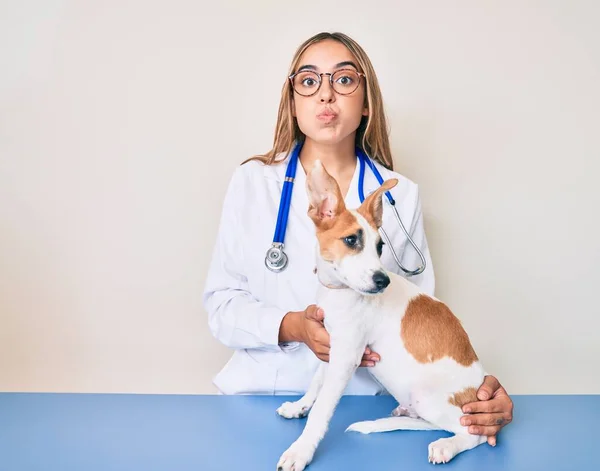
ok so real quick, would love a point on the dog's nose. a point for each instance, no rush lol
(381, 280)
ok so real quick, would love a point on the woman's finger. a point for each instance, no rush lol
(484, 430)
(485, 419)
(369, 358)
(374, 356)
(322, 334)
(499, 404)
(315, 313)
(324, 357)
(320, 342)
(488, 388)
(323, 350)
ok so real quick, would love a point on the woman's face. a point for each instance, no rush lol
(326, 116)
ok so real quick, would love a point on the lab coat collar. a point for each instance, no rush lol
(277, 171)
(299, 196)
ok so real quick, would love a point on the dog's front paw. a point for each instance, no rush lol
(295, 458)
(293, 410)
(441, 451)
(366, 426)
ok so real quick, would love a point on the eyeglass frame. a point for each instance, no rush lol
(360, 74)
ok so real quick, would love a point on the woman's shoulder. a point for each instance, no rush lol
(258, 168)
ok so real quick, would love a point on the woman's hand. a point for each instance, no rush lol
(493, 411)
(308, 327)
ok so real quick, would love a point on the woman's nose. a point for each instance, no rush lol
(326, 93)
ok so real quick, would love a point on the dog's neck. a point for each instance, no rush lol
(330, 285)
(326, 277)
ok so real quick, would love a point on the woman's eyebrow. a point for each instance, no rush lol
(307, 67)
(345, 63)
(337, 66)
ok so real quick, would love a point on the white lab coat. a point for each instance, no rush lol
(246, 302)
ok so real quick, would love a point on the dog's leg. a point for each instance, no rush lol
(444, 449)
(345, 356)
(434, 407)
(300, 408)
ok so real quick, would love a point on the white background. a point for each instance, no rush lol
(122, 121)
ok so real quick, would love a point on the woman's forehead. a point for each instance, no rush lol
(326, 55)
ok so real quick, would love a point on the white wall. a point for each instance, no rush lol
(121, 122)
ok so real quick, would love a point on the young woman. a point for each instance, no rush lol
(331, 105)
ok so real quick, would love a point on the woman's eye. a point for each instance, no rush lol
(345, 80)
(309, 82)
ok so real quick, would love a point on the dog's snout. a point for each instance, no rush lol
(381, 280)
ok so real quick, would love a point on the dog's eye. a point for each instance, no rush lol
(380, 245)
(351, 240)
(354, 241)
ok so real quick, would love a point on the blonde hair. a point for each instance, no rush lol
(372, 133)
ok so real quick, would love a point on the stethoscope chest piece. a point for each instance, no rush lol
(276, 260)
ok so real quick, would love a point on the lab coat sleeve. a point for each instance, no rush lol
(235, 317)
(410, 258)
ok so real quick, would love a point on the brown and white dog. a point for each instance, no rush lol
(427, 362)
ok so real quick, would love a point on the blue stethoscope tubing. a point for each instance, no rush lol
(276, 259)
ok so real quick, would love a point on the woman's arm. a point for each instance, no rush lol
(235, 317)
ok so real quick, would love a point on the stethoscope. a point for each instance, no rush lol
(276, 259)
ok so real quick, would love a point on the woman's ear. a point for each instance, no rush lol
(365, 111)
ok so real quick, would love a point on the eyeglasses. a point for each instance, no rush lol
(342, 81)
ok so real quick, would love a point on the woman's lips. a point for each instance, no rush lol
(327, 116)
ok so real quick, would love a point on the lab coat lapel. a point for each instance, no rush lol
(300, 197)
(352, 200)
(299, 201)
(277, 171)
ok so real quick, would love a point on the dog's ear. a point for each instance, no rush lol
(324, 195)
(372, 207)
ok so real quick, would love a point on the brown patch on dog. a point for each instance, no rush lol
(463, 397)
(430, 332)
(372, 207)
(329, 236)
